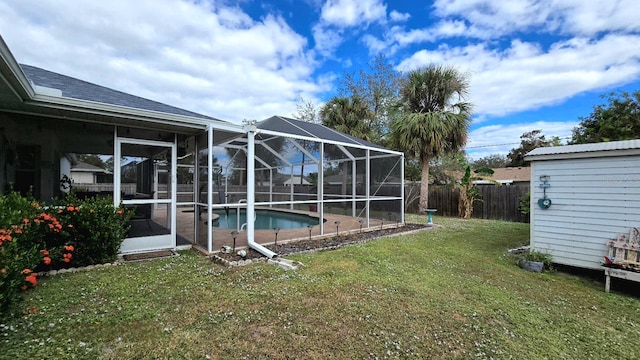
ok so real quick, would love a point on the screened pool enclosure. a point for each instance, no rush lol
(300, 169)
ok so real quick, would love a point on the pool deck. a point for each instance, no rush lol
(224, 237)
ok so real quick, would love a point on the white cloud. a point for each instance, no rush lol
(398, 16)
(524, 76)
(340, 17)
(326, 40)
(577, 17)
(195, 55)
(491, 20)
(348, 13)
(450, 28)
(500, 139)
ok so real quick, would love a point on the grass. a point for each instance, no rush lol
(449, 292)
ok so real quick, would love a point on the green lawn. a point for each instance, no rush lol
(450, 292)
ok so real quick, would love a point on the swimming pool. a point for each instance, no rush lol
(265, 219)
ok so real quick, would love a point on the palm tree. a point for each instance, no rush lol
(436, 117)
(351, 116)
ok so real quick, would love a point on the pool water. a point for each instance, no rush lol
(265, 219)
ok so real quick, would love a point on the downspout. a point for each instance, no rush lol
(251, 194)
(209, 186)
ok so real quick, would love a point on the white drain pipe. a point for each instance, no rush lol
(251, 193)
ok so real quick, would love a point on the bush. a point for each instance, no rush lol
(538, 256)
(24, 231)
(96, 229)
(37, 238)
(525, 204)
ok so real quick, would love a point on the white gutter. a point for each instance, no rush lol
(16, 78)
(251, 194)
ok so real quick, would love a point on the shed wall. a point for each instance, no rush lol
(593, 200)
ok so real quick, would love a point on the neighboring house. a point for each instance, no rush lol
(284, 180)
(592, 193)
(295, 180)
(83, 173)
(338, 179)
(509, 176)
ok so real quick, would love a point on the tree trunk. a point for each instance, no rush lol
(424, 184)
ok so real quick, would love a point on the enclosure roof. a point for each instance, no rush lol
(295, 127)
(83, 90)
(611, 148)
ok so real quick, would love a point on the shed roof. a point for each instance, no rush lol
(611, 148)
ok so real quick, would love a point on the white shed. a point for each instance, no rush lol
(593, 194)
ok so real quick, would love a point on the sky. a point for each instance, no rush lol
(533, 64)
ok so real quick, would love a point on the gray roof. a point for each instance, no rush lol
(82, 90)
(83, 166)
(584, 150)
(303, 128)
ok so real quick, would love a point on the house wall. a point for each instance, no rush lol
(65, 169)
(82, 177)
(28, 131)
(593, 200)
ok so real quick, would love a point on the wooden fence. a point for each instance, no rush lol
(497, 202)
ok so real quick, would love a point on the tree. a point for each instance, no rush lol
(348, 115)
(469, 193)
(378, 88)
(528, 141)
(490, 162)
(444, 169)
(92, 159)
(618, 120)
(436, 117)
(306, 111)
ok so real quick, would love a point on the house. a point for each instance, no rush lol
(511, 175)
(504, 176)
(581, 197)
(83, 173)
(280, 179)
(45, 116)
(295, 180)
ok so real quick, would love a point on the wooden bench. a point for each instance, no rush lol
(624, 258)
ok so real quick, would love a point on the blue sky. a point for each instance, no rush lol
(533, 64)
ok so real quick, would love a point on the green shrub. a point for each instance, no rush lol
(524, 204)
(24, 231)
(67, 233)
(96, 228)
(538, 256)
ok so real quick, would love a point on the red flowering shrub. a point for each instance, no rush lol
(96, 229)
(36, 238)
